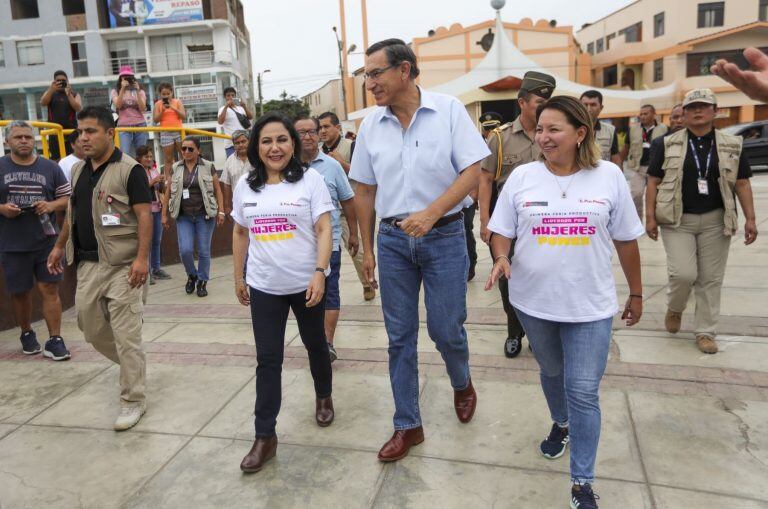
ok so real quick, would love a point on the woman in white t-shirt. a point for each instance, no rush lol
(282, 220)
(567, 213)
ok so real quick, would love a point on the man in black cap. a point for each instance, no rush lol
(489, 121)
(511, 145)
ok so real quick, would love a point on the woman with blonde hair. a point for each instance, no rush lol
(567, 212)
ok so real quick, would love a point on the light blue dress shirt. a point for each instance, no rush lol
(414, 167)
(338, 186)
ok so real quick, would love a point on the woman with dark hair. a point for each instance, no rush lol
(169, 112)
(567, 212)
(282, 221)
(146, 158)
(130, 103)
(195, 202)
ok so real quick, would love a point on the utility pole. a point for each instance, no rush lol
(340, 46)
(258, 84)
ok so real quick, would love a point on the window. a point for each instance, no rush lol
(610, 76)
(79, 63)
(30, 52)
(600, 45)
(2, 54)
(608, 39)
(127, 52)
(711, 14)
(698, 64)
(658, 25)
(591, 48)
(70, 7)
(633, 33)
(24, 9)
(658, 69)
(762, 13)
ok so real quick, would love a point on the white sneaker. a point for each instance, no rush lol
(129, 416)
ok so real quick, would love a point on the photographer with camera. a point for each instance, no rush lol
(169, 112)
(233, 116)
(63, 103)
(130, 103)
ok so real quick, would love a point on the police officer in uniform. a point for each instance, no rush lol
(511, 145)
(489, 121)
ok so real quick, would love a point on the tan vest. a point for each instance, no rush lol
(636, 143)
(669, 196)
(118, 245)
(604, 140)
(344, 148)
(204, 181)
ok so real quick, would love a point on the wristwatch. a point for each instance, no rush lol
(322, 270)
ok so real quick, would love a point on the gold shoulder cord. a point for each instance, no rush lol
(499, 153)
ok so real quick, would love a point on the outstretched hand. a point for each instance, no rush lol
(754, 83)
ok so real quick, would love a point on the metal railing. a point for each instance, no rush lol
(171, 61)
(46, 129)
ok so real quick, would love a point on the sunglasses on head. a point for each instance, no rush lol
(187, 149)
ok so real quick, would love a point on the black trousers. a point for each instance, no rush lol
(269, 314)
(469, 218)
(514, 328)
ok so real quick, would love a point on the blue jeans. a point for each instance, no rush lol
(195, 232)
(572, 358)
(157, 237)
(440, 260)
(129, 142)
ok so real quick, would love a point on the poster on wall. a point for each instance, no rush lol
(197, 94)
(126, 13)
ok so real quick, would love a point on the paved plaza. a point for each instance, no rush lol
(680, 429)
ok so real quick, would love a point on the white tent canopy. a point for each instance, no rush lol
(504, 60)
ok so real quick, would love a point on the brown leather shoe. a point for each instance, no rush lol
(369, 293)
(465, 402)
(263, 450)
(706, 343)
(324, 411)
(672, 321)
(401, 442)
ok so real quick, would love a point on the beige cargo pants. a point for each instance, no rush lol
(110, 314)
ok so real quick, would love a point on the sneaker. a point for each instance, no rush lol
(333, 353)
(672, 321)
(190, 286)
(161, 274)
(513, 346)
(554, 445)
(129, 417)
(29, 344)
(582, 497)
(56, 349)
(706, 343)
(202, 291)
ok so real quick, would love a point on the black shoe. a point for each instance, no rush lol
(56, 350)
(582, 497)
(29, 344)
(332, 352)
(513, 346)
(161, 274)
(554, 445)
(190, 286)
(201, 291)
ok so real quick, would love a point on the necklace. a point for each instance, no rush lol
(563, 192)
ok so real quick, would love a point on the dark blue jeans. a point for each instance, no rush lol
(195, 232)
(157, 237)
(440, 261)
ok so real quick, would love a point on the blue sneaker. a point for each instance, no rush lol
(554, 445)
(29, 344)
(56, 349)
(582, 497)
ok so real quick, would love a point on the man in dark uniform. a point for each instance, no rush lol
(511, 145)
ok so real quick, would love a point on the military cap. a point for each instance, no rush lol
(490, 119)
(699, 95)
(538, 83)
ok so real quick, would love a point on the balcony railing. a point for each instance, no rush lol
(139, 65)
(172, 61)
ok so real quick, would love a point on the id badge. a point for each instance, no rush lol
(703, 186)
(646, 144)
(110, 220)
(185, 194)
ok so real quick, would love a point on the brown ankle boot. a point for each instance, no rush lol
(672, 321)
(263, 450)
(706, 343)
(324, 411)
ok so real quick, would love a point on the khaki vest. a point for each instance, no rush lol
(204, 180)
(669, 196)
(344, 148)
(636, 143)
(604, 140)
(118, 245)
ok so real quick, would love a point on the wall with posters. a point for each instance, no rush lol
(123, 13)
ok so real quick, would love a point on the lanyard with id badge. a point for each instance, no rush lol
(185, 190)
(701, 181)
(111, 218)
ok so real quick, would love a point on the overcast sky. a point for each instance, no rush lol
(294, 38)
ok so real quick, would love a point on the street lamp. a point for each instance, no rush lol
(258, 81)
(340, 46)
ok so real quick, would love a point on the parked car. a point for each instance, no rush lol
(755, 136)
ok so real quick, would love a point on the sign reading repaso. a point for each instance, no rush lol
(123, 13)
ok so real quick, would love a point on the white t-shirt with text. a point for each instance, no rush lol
(282, 252)
(561, 270)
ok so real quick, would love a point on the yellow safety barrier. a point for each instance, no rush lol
(183, 130)
(47, 128)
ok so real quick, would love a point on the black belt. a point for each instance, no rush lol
(81, 255)
(395, 221)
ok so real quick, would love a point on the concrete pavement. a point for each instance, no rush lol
(680, 429)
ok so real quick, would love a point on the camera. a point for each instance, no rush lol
(131, 79)
(62, 83)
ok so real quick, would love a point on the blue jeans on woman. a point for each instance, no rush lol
(157, 237)
(195, 232)
(440, 260)
(572, 358)
(129, 142)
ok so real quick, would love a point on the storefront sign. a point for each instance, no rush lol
(197, 94)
